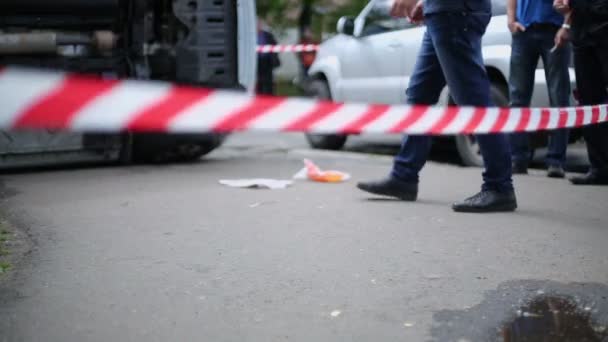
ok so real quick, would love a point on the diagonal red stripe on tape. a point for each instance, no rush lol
(449, 115)
(477, 118)
(240, 119)
(501, 120)
(415, 113)
(524, 120)
(545, 115)
(372, 114)
(321, 110)
(580, 117)
(595, 114)
(158, 116)
(57, 109)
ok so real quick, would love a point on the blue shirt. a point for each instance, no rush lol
(538, 12)
(436, 6)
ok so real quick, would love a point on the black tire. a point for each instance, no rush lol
(467, 146)
(126, 149)
(320, 90)
(168, 148)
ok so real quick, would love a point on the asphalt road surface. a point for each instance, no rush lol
(165, 253)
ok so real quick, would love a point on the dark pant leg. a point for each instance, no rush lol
(524, 59)
(265, 87)
(591, 64)
(425, 87)
(558, 145)
(558, 81)
(457, 41)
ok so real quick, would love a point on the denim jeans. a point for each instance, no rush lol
(591, 64)
(451, 54)
(526, 48)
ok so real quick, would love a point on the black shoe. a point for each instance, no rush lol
(556, 171)
(391, 187)
(590, 178)
(488, 201)
(520, 168)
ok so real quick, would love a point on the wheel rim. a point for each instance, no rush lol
(474, 145)
(474, 148)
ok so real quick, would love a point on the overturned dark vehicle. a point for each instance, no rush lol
(194, 42)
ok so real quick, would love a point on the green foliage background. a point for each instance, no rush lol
(324, 17)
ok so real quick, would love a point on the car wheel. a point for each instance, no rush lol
(467, 145)
(320, 90)
(468, 150)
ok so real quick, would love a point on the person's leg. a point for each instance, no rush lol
(425, 86)
(558, 82)
(524, 59)
(457, 41)
(265, 87)
(591, 65)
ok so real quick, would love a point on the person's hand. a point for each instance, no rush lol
(515, 26)
(403, 8)
(562, 37)
(562, 6)
(417, 14)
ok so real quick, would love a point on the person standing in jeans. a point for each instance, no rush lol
(539, 31)
(267, 62)
(450, 54)
(590, 41)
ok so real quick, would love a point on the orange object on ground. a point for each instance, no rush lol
(313, 172)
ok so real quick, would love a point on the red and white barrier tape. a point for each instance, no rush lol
(287, 48)
(32, 99)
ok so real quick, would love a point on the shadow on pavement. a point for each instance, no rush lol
(417, 202)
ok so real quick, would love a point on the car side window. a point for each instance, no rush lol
(376, 24)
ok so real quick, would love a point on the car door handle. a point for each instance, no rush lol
(395, 45)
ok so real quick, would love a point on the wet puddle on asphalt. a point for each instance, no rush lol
(530, 311)
(554, 319)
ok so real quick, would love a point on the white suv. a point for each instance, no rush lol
(372, 57)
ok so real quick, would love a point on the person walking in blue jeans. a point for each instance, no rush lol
(450, 54)
(539, 31)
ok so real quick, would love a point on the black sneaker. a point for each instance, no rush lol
(590, 178)
(520, 168)
(556, 171)
(391, 187)
(488, 201)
